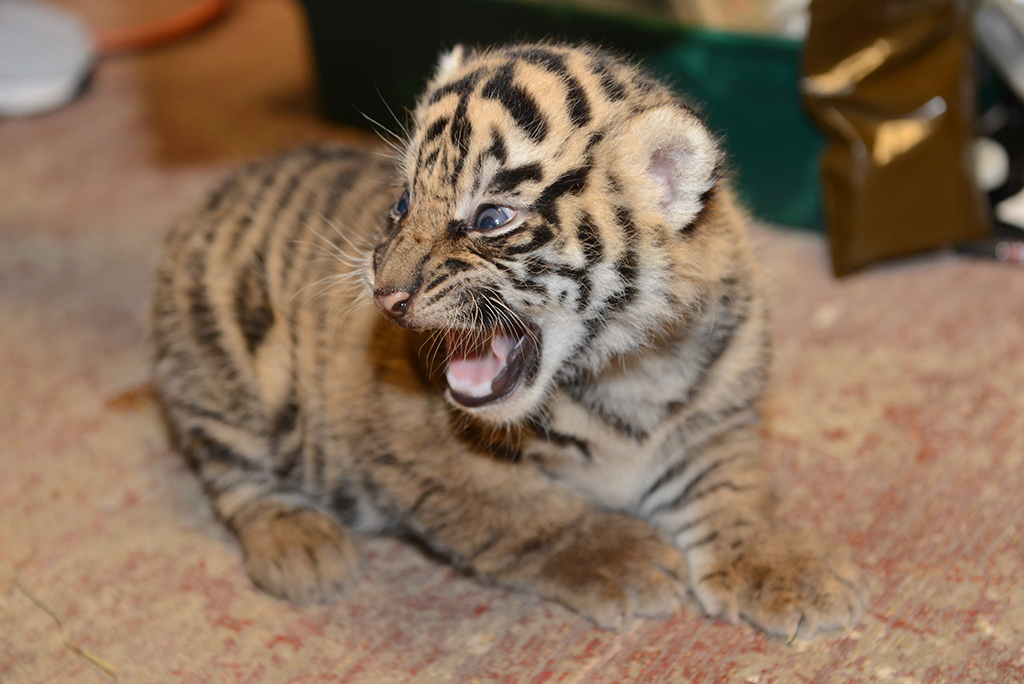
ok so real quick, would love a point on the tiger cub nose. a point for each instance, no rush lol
(392, 302)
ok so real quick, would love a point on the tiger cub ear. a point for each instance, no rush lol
(449, 63)
(676, 159)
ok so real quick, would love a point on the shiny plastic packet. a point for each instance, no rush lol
(892, 85)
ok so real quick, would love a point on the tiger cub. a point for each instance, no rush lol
(533, 341)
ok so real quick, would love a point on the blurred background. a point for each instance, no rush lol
(875, 138)
(894, 125)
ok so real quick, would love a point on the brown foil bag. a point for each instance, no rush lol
(891, 83)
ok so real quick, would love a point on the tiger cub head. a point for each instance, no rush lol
(559, 210)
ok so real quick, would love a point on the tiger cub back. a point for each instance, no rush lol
(561, 394)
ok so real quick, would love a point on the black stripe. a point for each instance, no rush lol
(572, 182)
(520, 104)
(456, 265)
(507, 180)
(681, 466)
(267, 180)
(502, 239)
(498, 150)
(461, 133)
(628, 269)
(595, 326)
(719, 331)
(489, 544)
(339, 185)
(287, 461)
(436, 281)
(586, 288)
(696, 496)
(528, 285)
(215, 198)
(337, 188)
(560, 439)
(590, 239)
(699, 520)
(292, 244)
(542, 235)
(435, 129)
(462, 87)
(319, 465)
(668, 475)
(284, 430)
(438, 296)
(482, 251)
(579, 105)
(576, 96)
(538, 55)
(456, 227)
(703, 541)
(297, 179)
(688, 490)
(252, 303)
(642, 83)
(345, 503)
(617, 423)
(431, 160)
(699, 421)
(286, 418)
(579, 276)
(205, 325)
(613, 88)
(624, 219)
(202, 448)
(476, 175)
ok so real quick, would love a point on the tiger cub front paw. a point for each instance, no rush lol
(786, 582)
(614, 568)
(301, 555)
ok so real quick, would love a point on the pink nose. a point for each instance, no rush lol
(393, 302)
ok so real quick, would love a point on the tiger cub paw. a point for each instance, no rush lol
(613, 569)
(787, 583)
(301, 555)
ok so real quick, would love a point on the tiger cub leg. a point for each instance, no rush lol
(744, 563)
(294, 548)
(509, 524)
(607, 567)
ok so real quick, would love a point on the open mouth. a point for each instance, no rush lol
(484, 367)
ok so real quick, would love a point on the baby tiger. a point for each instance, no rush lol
(534, 341)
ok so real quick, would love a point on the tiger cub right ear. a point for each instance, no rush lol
(674, 159)
(449, 63)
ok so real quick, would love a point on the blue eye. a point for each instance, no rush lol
(402, 205)
(493, 217)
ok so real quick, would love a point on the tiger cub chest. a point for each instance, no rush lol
(609, 441)
(590, 454)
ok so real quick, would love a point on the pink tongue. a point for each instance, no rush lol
(472, 375)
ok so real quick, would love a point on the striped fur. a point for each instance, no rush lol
(563, 394)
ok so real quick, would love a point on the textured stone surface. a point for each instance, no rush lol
(895, 424)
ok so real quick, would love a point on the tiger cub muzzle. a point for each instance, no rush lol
(484, 364)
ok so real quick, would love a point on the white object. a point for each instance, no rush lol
(991, 164)
(45, 55)
(1011, 210)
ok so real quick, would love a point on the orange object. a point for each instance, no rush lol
(197, 16)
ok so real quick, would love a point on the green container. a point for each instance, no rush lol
(374, 58)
